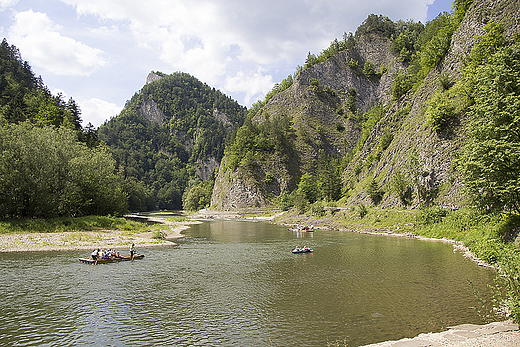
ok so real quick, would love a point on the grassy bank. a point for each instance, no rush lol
(89, 232)
(489, 235)
(53, 225)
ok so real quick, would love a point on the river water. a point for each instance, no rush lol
(236, 283)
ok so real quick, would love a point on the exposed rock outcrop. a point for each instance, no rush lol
(424, 157)
(317, 124)
(152, 77)
(150, 111)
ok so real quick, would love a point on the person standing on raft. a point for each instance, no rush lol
(132, 250)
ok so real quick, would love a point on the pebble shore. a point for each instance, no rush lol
(497, 334)
(88, 240)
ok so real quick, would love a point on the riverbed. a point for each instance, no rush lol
(237, 284)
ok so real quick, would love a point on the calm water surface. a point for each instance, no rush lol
(237, 284)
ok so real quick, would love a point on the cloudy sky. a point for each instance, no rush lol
(99, 52)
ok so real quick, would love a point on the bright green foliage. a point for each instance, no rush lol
(460, 7)
(369, 69)
(351, 100)
(383, 144)
(374, 24)
(445, 81)
(308, 188)
(490, 160)
(25, 97)
(329, 181)
(353, 63)
(371, 118)
(279, 87)
(437, 47)
(403, 82)
(310, 61)
(377, 24)
(69, 224)
(198, 196)
(375, 192)
(46, 172)
(157, 157)
(440, 110)
(400, 186)
(255, 140)
(449, 101)
(405, 43)
(487, 45)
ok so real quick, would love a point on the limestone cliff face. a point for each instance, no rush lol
(152, 77)
(317, 124)
(424, 157)
(151, 112)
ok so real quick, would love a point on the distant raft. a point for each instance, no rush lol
(300, 228)
(302, 250)
(124, 257)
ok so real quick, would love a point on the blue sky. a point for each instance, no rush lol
(99, 52)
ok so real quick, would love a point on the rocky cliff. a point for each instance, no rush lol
(423, 156)
(326, 120)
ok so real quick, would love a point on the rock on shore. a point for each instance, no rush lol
(497, 334)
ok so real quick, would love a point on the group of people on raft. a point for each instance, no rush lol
(98, 254)
(303, 228)
(304, 249)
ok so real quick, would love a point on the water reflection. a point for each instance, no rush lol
(238, 284)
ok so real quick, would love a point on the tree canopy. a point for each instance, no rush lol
(490, 160)
(158, 157)
(46, 172)
(23, 96)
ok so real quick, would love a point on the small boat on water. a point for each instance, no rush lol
(124, 257)
(302, 250)
(299, 228)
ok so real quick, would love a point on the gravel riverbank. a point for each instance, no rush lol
(88, 240)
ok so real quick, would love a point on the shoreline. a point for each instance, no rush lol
(496, 334)
(89, 240)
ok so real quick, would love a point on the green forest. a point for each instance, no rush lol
(157, 159)
(49, 165)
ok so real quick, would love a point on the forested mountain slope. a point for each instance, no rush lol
(377, 118)
(170, 136)
(49, 165)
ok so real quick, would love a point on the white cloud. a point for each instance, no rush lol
(96, 111)
(213, 40)
(43, 46)
(254, 85)
(7, 3)
(105, 31)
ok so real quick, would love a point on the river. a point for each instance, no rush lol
(232, 283)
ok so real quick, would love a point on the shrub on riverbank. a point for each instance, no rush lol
(88, 223)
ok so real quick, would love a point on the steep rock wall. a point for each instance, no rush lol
(426, 157)
(317, 125)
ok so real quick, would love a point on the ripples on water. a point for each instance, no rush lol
(237, 284)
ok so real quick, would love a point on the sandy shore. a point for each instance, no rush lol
(88, 240)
